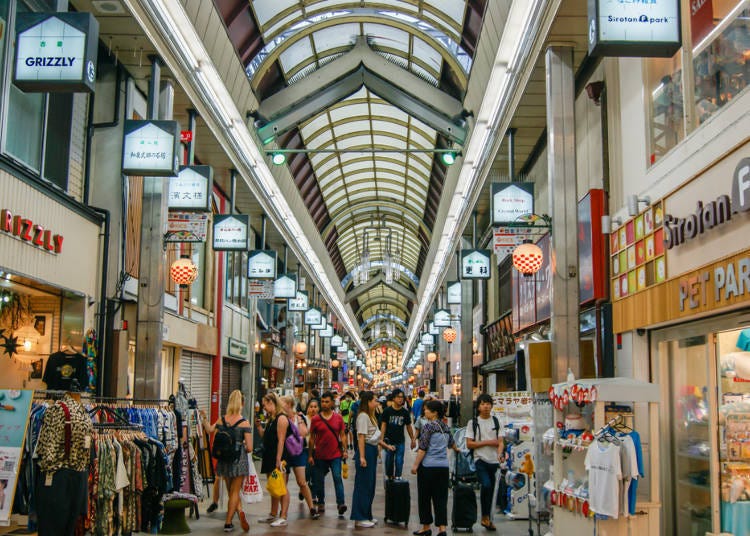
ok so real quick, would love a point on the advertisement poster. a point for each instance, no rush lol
(14, 416)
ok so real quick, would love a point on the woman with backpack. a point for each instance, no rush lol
(232, 443)
(431, 468)
(298, 463)
(368, 440)
(274, 437)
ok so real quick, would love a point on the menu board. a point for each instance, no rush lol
(637, 259)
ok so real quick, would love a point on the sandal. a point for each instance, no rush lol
(489, 526)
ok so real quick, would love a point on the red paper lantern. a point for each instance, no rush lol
(449, 335)
(528, 258)
(183, 272)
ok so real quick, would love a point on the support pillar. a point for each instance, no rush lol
(467, 358)
(563, 196)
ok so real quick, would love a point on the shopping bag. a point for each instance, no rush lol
(276, 485)
(345, 470)
(251, 491)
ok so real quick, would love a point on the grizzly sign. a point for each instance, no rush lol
(27, 231)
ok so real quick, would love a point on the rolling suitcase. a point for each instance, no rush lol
(397, 501)
(464, 513)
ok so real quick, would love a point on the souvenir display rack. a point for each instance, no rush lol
(590, 398)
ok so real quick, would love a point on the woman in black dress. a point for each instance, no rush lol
(274, 437)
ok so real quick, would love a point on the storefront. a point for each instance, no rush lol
(49, 274)
(691, 285)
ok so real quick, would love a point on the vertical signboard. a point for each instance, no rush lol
(151, 148)
(592, 282)
(191, 189)
(230, 232)
(511, 200)
(454, 292)
(475, 263)
(300, 303)
(261, 264)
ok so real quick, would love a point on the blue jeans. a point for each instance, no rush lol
(486, 474)
(319, 471)
(364, 486)
(397, 457)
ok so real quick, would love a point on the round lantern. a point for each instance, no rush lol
(300, 347)
(432, 357)
(335, 363)
(528, 258)
(183, 272)
(449, 335)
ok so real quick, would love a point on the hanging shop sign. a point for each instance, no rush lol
(323, 324)
(260, 289)
(344, 348)
(336, 341)
(433, 329)
(191, 189)
(313, 317)
(326, 333)
(56, 52)
(301, 302)
(454, 292)
(427, 339)
(475, 263)
(25, 230)
(151, 148)
(238, 349)
(186, 227)
(231, 232)
(511, 200)
(261, 264)
(273, 357)
(442, 318)
(592, 274)
(186, 136)
(285, 286)
(634, 28)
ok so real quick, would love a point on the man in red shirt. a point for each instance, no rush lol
(327, 452)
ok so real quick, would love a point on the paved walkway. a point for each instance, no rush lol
(300, 523)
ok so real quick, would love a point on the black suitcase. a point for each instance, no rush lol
(464, 513)
(397, 501)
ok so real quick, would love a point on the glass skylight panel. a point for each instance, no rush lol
(314, 125)
(388, 110)
(360, 195)
(452, 10)
(399, 129)
(271, 31)
(341, 35)
(427, 53)
(387, 36)
(295, 54)
(389, 141)
(265, 10)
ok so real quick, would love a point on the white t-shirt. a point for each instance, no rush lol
(605, 472)
(485, 431)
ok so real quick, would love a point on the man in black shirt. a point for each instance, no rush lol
(392, 425)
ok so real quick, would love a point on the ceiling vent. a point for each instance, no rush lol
(108, 7)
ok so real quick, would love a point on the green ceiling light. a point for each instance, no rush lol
(449, 157)
(278, 158)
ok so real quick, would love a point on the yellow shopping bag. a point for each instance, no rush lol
(276, 485)
(345, 470)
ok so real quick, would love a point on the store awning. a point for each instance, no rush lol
(261, 322)
(500, 364)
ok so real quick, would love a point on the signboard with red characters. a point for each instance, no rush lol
(26, 230)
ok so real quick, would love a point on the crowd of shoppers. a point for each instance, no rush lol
(329, 427)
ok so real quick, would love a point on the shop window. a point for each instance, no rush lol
(236, 281)
(720, 31)
(37, 130)
(666, 106)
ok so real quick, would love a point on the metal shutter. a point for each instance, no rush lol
(231, 379)
(195, 370)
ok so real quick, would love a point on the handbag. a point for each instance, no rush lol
(276, 484)
(374, 439)
(251, 491)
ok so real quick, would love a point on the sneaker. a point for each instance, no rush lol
(314, 513)
(342, 509)
(212, 508)
(363, 524)
(228, 527)
(270, 518)
(280, 522)
(244, 523)
(374, 521)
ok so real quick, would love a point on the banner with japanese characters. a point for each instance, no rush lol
(151, 148)
(14, 417)
(190, 190)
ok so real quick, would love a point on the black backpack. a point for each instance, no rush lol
(477, 431)
(226, 447)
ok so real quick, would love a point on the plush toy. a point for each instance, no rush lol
(527, 465)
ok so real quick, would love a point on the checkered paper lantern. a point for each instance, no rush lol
(449, 334)
(183, 272)
(528, 258)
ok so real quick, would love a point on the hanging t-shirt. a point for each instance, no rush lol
(605, 472)
(62, 369)
(485, 431)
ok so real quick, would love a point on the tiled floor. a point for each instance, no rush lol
(300, 524)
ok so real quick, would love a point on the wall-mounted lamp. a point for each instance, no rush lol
(633, 203)
(609, 224)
